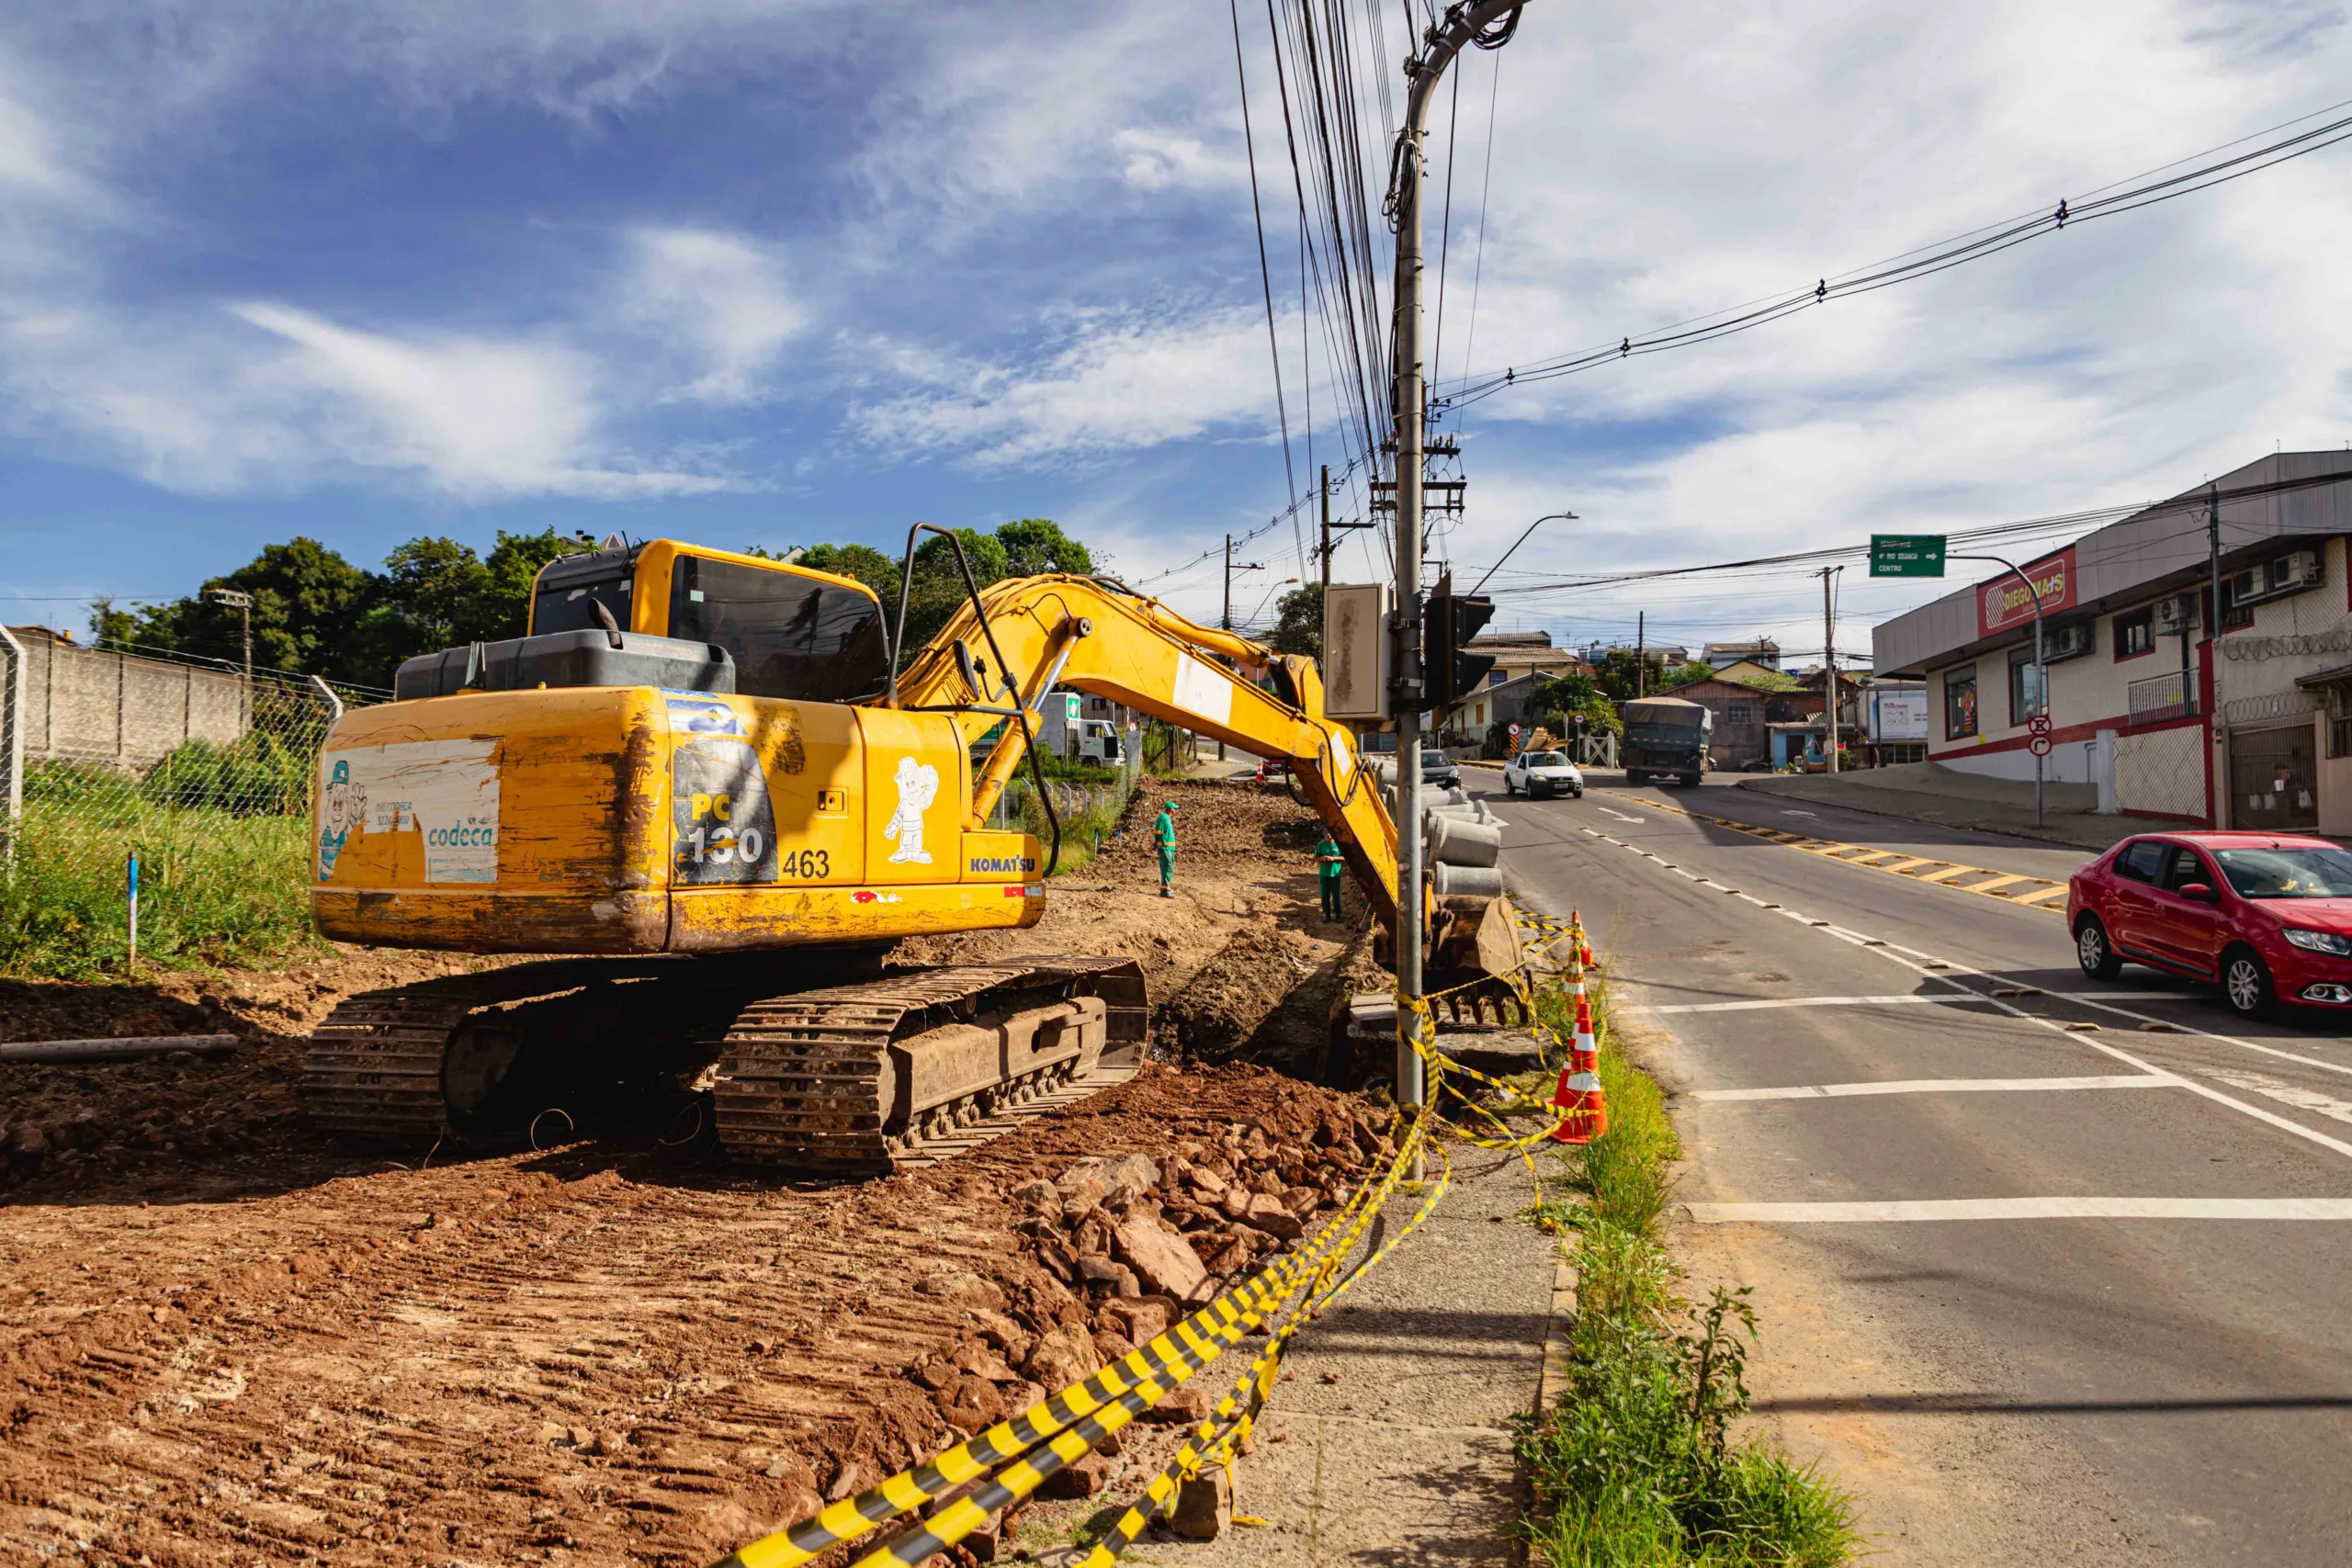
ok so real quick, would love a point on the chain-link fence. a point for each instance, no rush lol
(1090, 809)
(198, 772)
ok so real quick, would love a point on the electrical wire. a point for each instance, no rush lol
(1266, 280)
(1925, 261)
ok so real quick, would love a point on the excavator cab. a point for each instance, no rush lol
(790, 631)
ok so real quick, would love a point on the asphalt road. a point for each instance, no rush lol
(2127, 1248)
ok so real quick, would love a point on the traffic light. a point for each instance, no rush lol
(1449, 621)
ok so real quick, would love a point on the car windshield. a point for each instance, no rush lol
(1546, 759)
(2288, 874)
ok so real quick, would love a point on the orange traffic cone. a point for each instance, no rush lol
(1261, 771)
(1584, 1115)
(1576, 939)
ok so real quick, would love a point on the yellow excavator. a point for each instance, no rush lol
(711, 783)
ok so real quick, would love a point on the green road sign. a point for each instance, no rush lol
(1907, 555)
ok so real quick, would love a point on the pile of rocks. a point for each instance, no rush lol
(1123, 1246)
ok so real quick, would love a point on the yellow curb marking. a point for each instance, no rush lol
(1995, 885)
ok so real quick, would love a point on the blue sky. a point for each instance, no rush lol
(748, 272)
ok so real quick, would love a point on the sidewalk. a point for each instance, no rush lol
(1388, 1438)
(1929, 792)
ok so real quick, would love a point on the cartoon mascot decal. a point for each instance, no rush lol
(918, 786)
(341, 806)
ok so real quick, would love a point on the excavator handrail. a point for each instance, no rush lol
(1111, 640)
(972, 592)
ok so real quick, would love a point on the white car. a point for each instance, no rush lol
(1542, 773)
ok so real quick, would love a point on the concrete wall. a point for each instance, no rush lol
(84, 705)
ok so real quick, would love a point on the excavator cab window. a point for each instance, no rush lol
(792, 636)
(570, 587)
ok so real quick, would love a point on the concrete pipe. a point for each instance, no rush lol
(1469, 881)
(1459, 842)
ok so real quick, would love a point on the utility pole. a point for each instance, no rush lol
(241, 602)
(2040, 669)
(2217, 768)
(1327, 528)
(1640, 654)
(1463, 25)
(1829, 659)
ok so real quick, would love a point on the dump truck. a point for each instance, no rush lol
(712, 785)
(1665, 735)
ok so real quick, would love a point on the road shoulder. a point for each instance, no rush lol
(1844, 1379)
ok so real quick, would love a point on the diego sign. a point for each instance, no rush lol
(2004, 601)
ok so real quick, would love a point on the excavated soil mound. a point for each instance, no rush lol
(644, 1362)
(223, 1342)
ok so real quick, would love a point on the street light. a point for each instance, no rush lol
(1547, 517)
(2040, 669)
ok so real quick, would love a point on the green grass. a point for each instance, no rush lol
(1082, 829)
(215, 887)
(1636, 1466)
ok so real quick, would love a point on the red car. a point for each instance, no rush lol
(2267, 916)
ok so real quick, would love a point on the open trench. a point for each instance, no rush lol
(222, 1343)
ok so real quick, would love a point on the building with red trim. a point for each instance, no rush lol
(2139, 705)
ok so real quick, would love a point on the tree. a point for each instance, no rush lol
(862, 563)
(308, 602)
(1615, 673)
(1298, 622)
(1568, 694)
(1683, 674)
(1037, 545)
(504, 607)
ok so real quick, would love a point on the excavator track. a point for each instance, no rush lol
(806, 1076)
(808, 1080)
(373, 1072)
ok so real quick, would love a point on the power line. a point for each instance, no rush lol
(1266, 280)
(1925, 261)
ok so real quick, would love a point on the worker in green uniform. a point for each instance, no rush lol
(1163, 839)
(1327, 867)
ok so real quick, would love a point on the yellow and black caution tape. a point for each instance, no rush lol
(1049, 1435)
(1029, 1448)
(1214, 1440)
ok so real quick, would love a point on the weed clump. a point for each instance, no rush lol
(1636, 1465)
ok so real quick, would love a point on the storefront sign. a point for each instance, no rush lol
(2004, 601)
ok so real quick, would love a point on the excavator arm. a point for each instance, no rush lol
(993, 663)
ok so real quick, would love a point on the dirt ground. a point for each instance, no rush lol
(224, 1343)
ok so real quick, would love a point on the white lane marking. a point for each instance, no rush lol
(2284, 1092)
(1813, 813)
(2090, 1000)
(2294, 1129)
(2026, 1209)
(1944, 1086)
(1906, 997)
(1621, 815)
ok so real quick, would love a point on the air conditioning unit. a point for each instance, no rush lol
(2244, 587)
(2176, 615)
(2071, 640)
(2292, 573)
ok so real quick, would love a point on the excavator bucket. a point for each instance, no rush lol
(1477, 961)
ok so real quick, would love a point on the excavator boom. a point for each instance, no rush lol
(1103, 640)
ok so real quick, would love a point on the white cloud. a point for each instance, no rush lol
(1122, 385)
(716, 300)
(27, 152)
(473, 416)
